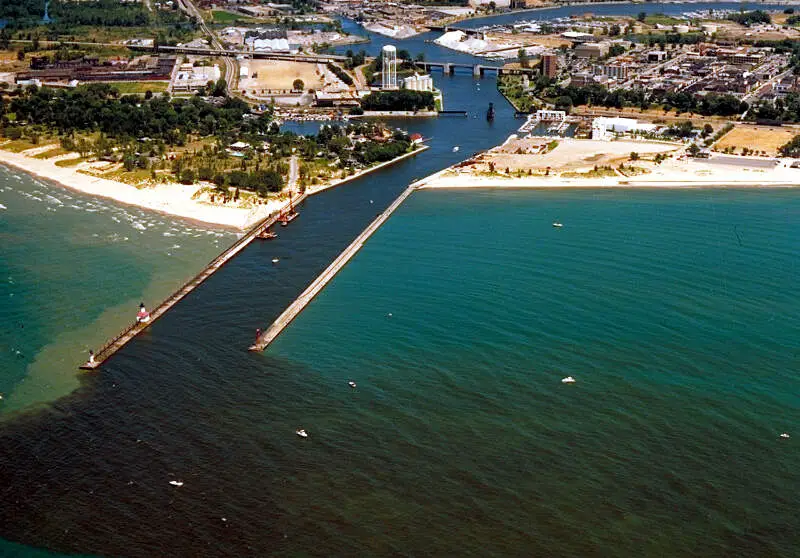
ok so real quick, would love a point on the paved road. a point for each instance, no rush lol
(745, 162)
(294, 172)
(231, 66)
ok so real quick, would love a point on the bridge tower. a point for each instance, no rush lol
(389, 71)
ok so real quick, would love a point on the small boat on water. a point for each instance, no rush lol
(490, 112)
(455, 149)
(568, 380)
(275, 260)
(785, 435)
(352, 384)
(557, 225)
(302, 433)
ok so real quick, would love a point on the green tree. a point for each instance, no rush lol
(641, 16)
(298, 85)
(522, 56)
(187, 176)
(220, 88)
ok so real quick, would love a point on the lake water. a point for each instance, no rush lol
(673, 310)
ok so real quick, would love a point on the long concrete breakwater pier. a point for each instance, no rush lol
(286, 317)
(115, 344)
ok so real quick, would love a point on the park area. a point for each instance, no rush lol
(758, 138)
(278, 76)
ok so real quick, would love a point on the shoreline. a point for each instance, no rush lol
(447, 179)
(171, 199)
(338, 182)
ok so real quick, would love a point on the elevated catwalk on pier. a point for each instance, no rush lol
(114, 345)
(275, 329)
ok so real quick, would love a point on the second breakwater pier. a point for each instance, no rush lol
(294, 309)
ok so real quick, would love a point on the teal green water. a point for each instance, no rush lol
(677, 314)
(72, 273)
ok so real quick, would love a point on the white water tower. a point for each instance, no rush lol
(389, 71)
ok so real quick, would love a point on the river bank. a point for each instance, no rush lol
(311, 190)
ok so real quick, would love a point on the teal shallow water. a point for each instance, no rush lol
(72, 273)
(676, 313)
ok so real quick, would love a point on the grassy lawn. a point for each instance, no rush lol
(223, 17)
(17, 146)
(661, 19)
(66, 163)
(54, 152)
(139, 87)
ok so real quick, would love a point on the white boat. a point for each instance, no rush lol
(568, 380)
(176, 483)
(456, 148)
(785, 435)
(302, 433)
(275, 260)
(352, 384)
(557, 225)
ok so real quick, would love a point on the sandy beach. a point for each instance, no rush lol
(574, 163)
(171, 198)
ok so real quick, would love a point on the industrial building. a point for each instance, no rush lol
(418, 82)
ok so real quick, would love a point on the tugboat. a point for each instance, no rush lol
(288, 217)
(266, 234)
(490, 112)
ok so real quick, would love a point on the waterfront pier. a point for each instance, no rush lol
(275, 329)
(115, 344)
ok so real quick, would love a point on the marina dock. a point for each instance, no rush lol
(275, 329)
(115, 344)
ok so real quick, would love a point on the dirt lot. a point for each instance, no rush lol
(760, 138)
(570, 154)
(279, 75)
